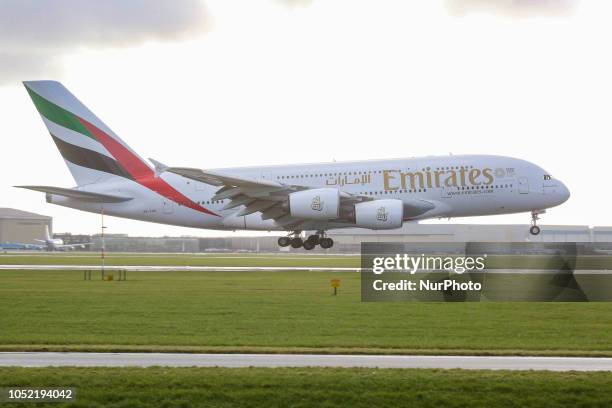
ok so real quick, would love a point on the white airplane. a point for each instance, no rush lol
(379, 195)
(47, 244)
(57, 244)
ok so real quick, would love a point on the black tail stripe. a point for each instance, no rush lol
(88, 158)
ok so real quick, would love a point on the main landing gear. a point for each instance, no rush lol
(310, 243)
(535, 216)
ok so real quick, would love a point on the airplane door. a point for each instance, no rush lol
(523, 185)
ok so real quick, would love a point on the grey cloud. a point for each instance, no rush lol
(35, 34)
(18, 66)
(513, 8)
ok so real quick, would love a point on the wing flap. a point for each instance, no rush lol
(257, 206)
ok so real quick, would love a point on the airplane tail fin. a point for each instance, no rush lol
(47, 235)
(92, 151)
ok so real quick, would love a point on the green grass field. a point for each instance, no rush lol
(277, 312)
(307, 387)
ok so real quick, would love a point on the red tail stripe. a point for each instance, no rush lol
(141, 173)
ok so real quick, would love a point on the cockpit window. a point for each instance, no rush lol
(547, 177)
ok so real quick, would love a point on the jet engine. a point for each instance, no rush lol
(379, 214)
(318, 204)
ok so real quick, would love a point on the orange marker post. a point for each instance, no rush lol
(335, 283)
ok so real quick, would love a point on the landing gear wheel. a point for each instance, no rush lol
(535, 216)
(308, 245)
(315, 239)
(296, 242)
(326, 243)
(284, 241)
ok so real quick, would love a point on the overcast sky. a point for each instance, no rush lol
(228, 83)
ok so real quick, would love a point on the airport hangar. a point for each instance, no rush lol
(23, 226)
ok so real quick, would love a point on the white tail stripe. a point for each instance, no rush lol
(75, 138)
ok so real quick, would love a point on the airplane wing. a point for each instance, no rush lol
(72, 246)
(79, 194)
(270, 197)
(256, 195)
(220, 179)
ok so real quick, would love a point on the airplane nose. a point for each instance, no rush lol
(563, 192)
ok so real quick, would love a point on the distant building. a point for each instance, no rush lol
(73, 239)
(23, 226)
(124, 243)
(347, 240)
(351, 238)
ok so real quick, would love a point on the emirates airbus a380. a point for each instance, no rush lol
(378, 195)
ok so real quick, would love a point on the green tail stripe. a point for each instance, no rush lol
(58, 114)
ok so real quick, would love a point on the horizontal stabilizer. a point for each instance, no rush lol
(78, 194)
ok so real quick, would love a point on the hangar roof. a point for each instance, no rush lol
(12, 213)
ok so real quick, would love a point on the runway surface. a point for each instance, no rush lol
(44, 359)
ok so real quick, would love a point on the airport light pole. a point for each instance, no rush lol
(103, 249)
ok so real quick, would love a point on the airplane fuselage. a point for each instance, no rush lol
(460, 186)
(378, 195)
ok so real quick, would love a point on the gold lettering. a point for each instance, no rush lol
(488, 175)
(387, 178)
(412, 177)
(428, 173)
(474, 173)
(438, 173)
(451, 180)
(462, 173)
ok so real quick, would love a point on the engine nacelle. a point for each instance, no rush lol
(379, 214)
(318, 204)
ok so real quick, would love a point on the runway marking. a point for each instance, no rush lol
(45, 359)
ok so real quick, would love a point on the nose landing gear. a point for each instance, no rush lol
(310, 243)
(535, 216)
